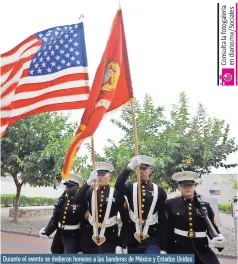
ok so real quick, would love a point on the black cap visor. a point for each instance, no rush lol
(102, 172)
(187, 183)
(70, 183)
(144, 166)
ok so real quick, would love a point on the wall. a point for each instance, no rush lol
(8, 187)
(222, 182)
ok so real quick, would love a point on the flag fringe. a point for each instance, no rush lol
(121, 107)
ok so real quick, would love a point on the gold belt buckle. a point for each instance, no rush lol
(100, 225)
(191, 234)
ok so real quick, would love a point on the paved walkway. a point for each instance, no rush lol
(227, 229)
(30, 225)
(20, 244)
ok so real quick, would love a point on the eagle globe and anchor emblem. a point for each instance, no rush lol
(111, 75)
(110, 80)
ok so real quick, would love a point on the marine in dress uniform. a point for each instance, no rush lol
(101, 236)
(150, 237)
(187, 228)
(66, 219)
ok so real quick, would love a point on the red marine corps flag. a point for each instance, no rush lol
(111, 89)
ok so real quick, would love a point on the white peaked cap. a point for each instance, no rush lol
(104, 166)
(185, 176)
(147, 160)
(74, 178)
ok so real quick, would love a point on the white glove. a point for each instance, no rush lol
(93, 176)
(219, 242)
(163, 252)
(135, 162)
(42, 233)
(119, 250)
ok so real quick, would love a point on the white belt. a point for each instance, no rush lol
(189, 234)
(69, 227)
(151, 221)
(107, 222)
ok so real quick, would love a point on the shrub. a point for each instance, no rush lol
(7, 200)
(226, 208)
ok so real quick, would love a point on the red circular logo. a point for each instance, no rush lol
(227, 77)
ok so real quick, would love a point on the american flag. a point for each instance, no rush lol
(215, 192)
(46, 72)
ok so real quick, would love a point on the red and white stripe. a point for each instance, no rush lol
(23, 95)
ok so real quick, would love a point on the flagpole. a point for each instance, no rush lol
(95, 185)
(119, 4)
(137, 153)
(81, 17)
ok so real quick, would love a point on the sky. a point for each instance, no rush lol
(171, 47)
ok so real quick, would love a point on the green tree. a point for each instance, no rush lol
(83, 166)
(33, 151)
(174, 141)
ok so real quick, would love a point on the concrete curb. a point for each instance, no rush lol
(226, 256)
(21, 233)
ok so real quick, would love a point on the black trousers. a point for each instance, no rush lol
(105, 248)
(148, 246)
(65, 244)
(70, 245)
(203, 254)
(148, 250)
